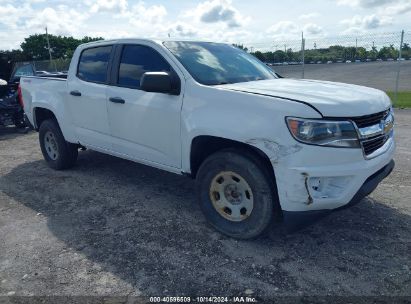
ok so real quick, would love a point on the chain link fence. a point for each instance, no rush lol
(41, 67)
(382, 61)
(55, 65)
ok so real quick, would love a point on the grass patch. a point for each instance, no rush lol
(404, 99)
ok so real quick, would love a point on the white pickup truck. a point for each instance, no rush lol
(260, 147)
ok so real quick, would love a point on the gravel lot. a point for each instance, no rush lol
(379, 75)
(113, 227)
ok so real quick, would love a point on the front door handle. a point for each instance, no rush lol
(75, 93)
(117, 100)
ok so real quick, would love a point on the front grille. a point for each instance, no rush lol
(369, 120)
(374, 144)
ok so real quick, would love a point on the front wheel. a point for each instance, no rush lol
(58, 153)
(236, 194)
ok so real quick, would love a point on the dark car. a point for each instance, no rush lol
(11, 107)
(11, 111)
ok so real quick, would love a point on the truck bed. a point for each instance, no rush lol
(48, 92)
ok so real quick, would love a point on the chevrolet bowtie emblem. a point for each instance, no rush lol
(387, 124)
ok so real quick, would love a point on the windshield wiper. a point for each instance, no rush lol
(221, 82)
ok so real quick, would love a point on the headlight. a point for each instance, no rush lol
(324, 132)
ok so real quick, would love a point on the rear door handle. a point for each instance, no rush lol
(75, 93)
(117, 100)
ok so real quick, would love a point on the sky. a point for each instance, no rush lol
(249, 22)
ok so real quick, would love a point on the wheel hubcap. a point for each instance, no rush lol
(231, 196)
(51, 146)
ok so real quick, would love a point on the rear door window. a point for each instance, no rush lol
(93, 64)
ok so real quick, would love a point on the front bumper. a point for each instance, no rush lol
(371, 183)
(294, 220)
(319, 178)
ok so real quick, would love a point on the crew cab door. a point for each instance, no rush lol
(87, 97)
(144, 126)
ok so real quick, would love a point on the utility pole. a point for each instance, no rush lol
(48, 44)
(275, 49)
(302, 53)
(399, 68)
(285, 53)
(355, 57)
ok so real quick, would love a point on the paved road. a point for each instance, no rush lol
(380, 75)
(113, 227)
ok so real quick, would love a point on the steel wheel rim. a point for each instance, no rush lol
(231, 196)
(50, 144)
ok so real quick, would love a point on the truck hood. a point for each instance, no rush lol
(332, 99)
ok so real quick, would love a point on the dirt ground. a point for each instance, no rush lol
(113, 227)
(379, 75)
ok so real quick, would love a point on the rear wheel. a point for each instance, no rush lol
(58, 153)
(236, 194)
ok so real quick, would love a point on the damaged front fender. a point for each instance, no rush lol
(272, 149)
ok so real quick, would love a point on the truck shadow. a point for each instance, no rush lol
(144, 226)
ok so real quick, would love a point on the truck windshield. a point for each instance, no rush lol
(218, 63)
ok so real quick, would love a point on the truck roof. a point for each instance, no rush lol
(135, 39)
(120, 40)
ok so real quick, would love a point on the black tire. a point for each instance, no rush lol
(20, 124)
(67, 152)
(252, 170)
(19, 121)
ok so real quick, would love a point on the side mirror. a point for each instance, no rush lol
(158, 82)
